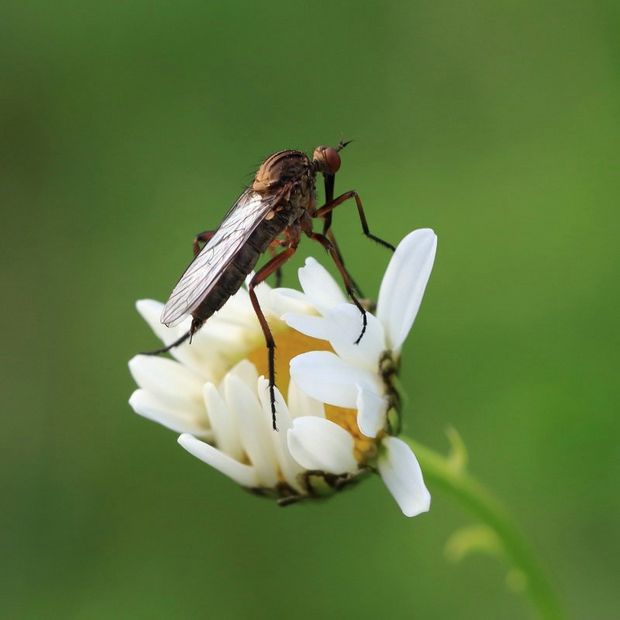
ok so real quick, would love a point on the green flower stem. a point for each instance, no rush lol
(447, 474)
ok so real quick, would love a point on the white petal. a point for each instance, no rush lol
(317, 443)
(219, 344)
(254, 428)
(344, 323)
(221, 331)
(320, 288)
(402, 475)
(341, 326)
(300, 404)
(263, 292)
(237, 309)
(174, 383)
(223, 422)
(326, 377)
(371, 410)
(181, 421)
(288, 466)
(222, 338)
(293, 295)
(313, 326)
(288, 300)
(246, 371)
(185, 353)
(150, 310)
(403, 284)
(240, 473)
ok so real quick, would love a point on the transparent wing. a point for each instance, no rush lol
(205, 270)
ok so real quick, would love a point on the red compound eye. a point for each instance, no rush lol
(332, 159)
(327, 159)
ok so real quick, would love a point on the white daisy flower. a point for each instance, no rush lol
(342, 407)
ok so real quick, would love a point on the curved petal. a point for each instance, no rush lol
(254, 429)
(402, 475)
(403, 284)
(181, 421)
(150, 310)
(300, 404)
(294, 296)
(344, 328)
(371, 410)
(246, 371)
(320, 288)
(326, 377)
(288, 466)
(240, 473)
(171, 381)
(284, 300)
(223, 423)
(317, 443)
(313, 326)
(341, 325)
(237, 309)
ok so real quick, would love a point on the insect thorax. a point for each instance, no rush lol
(282, 168)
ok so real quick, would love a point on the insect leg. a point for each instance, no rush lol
(203, 237)
(196, 325)
(325, 210)
(278, 277)
(348, 283)
(332, 238)
(272, 249)
(263, 274)
(329, 183)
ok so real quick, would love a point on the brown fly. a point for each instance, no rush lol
(271, 214)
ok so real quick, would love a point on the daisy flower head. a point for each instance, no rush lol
(337, 402)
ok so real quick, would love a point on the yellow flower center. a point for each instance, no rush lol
(290, 343)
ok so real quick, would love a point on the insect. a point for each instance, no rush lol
(271, 214)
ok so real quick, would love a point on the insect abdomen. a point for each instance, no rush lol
(234, 275)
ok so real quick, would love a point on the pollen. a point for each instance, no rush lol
(290, 343)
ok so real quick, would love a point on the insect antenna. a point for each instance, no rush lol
(342, 144)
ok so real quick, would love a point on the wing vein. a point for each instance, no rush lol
(205, 270)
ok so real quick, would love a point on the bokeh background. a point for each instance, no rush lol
(127, 127)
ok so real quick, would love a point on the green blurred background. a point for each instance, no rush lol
(127, 127)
